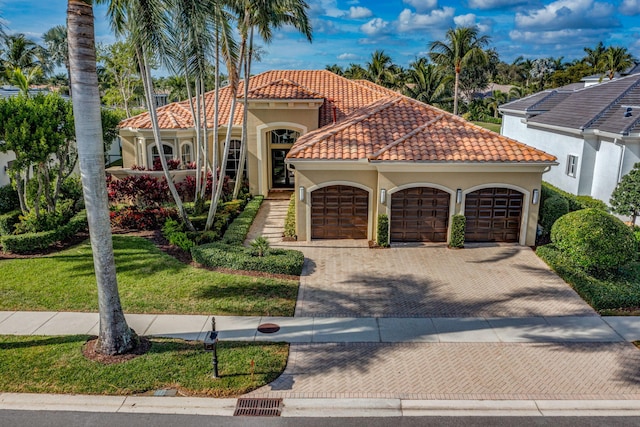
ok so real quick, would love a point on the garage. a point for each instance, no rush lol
(493, 215)
(339, 212)
(419, 214)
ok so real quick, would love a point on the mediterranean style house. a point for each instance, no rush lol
(352, 150)
(592, 128)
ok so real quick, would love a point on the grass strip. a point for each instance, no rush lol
(39, 364)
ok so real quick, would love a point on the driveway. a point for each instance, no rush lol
(345, 278)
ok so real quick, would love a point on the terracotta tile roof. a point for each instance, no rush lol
(342, 97)
(402, 129)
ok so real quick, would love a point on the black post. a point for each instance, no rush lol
(214, 335)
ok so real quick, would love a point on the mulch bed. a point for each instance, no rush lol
(89, 351)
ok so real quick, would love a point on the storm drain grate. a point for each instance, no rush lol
(258, 407)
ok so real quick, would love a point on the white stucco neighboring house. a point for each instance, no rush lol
(593, 130)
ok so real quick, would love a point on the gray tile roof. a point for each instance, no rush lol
(538, 102)
(596, 107)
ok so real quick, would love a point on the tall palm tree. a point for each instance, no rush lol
(615, 60)
(462, 47)
(380, 69)
(115, 336)
(355, 72)
(263, 16)
(55, 40)
(20, 52)
(594, 56)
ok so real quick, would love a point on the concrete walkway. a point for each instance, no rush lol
(568, 329)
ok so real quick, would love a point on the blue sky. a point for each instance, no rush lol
(348, 31)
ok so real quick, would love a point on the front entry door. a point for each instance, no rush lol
(280, 176)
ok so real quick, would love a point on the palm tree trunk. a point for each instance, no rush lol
(455, 93)
(243, 141)
(216, 126)
(115, 335)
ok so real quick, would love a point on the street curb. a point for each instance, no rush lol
(300, 407)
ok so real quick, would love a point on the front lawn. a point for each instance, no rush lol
(618, 293)
(149, 281)
(491, 126)
(38, 364)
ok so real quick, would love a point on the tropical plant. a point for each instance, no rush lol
(462, 48)
(57, 48)
(381, 70)
(115, 336)
(615, 60)
(20, 52)
(625, 199)
(594, 57)
(427, 83)
(260, 246)
(120, 74)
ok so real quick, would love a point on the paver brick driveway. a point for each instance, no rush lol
(346, 278)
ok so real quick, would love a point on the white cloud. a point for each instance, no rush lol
(422, 5)
(582, 37)
(630, 7)
(469, 20)
(325, 8)
(563, 14)
(348, 57)
(438, 18)
(359, 12)
(495, 4)
(375, 27)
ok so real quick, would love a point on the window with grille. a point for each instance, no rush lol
(572, 165)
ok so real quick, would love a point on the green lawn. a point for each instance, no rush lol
(56, 365)
(491, 126)
(149, 282)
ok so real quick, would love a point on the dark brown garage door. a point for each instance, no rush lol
(493, 215)
(419, 214)
(339, 212)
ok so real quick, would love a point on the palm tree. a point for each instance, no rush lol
(427, 83)
(20, 52)
(263, 16)
(463, 47)
(355, 72)
(57, 48)
(380, 69)
(594, 56)
(115, 335)
(23, 81)
(335, 69)
(615, 60)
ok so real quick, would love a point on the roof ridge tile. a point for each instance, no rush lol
(405, 137)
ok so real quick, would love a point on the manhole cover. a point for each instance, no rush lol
(258, 407)
(268, 328)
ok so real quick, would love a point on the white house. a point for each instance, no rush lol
(593, 130)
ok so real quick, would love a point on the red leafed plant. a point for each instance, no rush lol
(142, 191)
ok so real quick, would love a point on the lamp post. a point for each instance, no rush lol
(211, 344)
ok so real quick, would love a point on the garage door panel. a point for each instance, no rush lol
(419, 214)
(339, 212)
(493, 215)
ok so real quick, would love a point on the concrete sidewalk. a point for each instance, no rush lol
(570, 329)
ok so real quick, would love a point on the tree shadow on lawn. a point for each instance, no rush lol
(25, 342)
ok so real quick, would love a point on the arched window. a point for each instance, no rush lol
(233, 159)
(283, 136)
(166, 148)
(185, 153)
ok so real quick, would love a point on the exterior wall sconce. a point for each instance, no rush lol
(302, 191)
(536, 196)
(458, 196)
(383, 196)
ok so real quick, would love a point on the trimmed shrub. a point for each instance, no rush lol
(238, 229)
(8, 199)
(237, 257)
(383, 230)
(32, 242)
(553, 208)
(290, 219)
(594, 240)
(458, 225)
(8, 222)
(575, 202)
(31, 223)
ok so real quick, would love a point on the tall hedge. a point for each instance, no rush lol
(594, 240)
(553, 208)
(383, 230)
(458, 225)
(575, 202)
(33, 242)
(290, 219)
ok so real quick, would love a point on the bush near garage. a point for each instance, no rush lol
(383, 230)
(594, 240)
(458, 225)
(553, 208)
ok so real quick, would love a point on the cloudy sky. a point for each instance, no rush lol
(347, 31)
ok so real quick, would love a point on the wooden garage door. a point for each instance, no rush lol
(339, 212)
(493, 215)
(419, 214)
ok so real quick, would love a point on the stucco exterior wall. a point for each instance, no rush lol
(5, 158)
(559, 144)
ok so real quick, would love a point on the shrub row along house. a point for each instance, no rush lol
(594, 130)
(352, 150)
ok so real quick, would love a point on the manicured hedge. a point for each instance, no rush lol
(458, 224)
(8, 199)
(621, 290)
(383, 230)
(290, 219)
(238, 229)
(553, 208)
(238, 257)
(575, 202)
(8, 221)
(30, 242)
